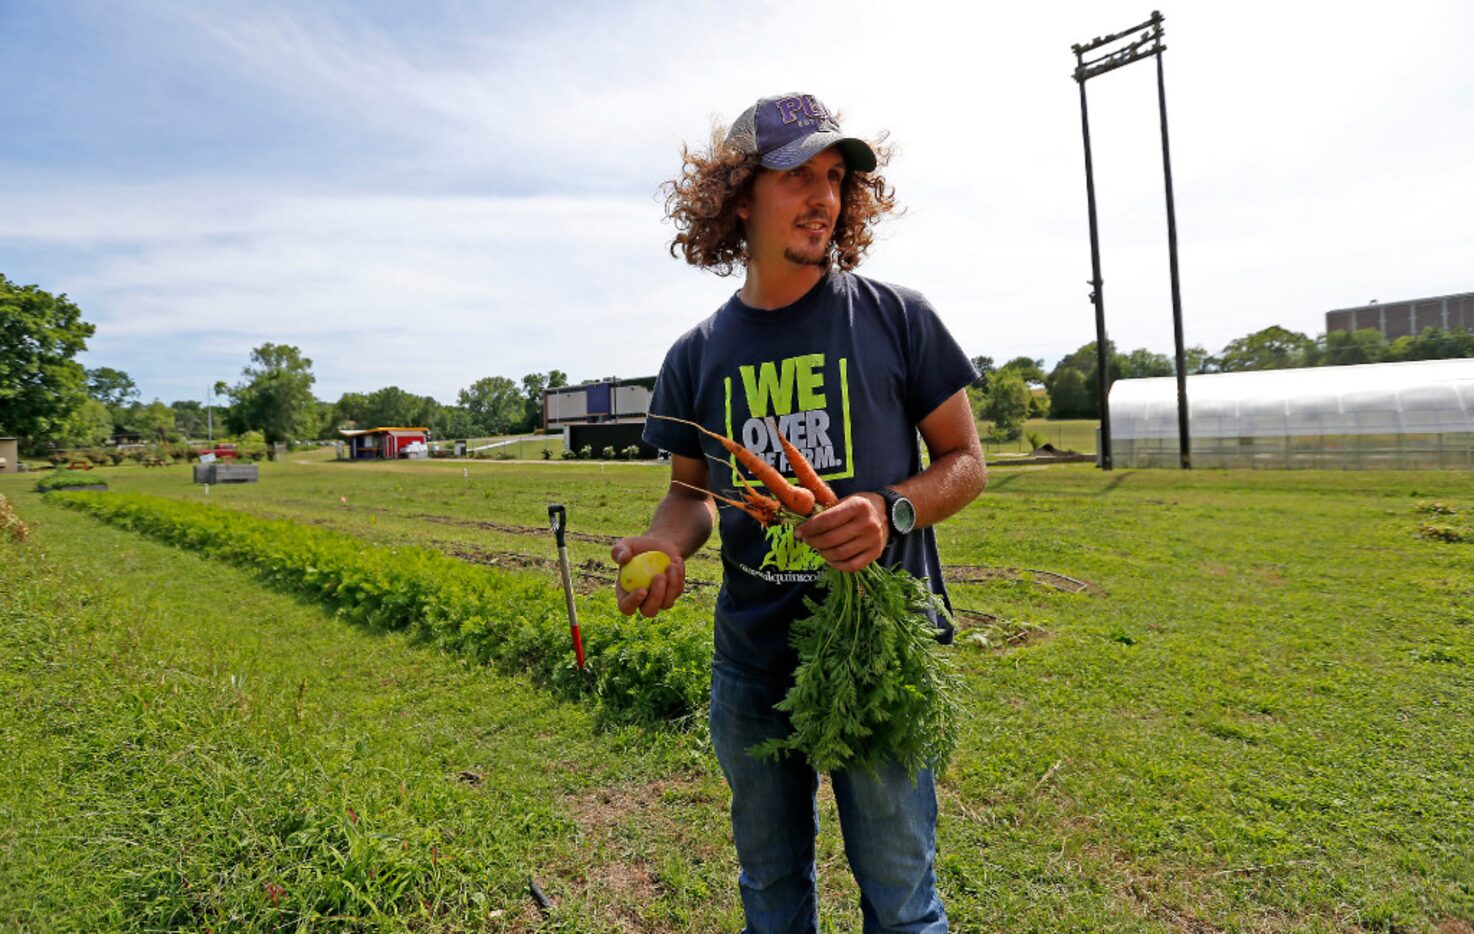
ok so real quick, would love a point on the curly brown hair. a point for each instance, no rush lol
(702, 204)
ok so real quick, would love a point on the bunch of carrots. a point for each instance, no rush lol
(872, 684)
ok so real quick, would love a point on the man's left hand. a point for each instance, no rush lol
(850, 534)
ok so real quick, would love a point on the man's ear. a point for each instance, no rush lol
(743, 207)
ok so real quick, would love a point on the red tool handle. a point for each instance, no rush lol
(577, 643)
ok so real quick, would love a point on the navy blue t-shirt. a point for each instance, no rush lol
(847, 372)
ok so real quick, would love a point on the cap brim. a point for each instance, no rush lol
(858, 156)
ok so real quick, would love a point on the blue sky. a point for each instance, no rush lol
(423, 196)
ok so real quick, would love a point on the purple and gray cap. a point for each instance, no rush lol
(787, 130)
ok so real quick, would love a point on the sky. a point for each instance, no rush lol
(422, 195)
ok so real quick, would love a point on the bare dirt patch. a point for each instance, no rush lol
(977, 574)
(619, 824)
(588, 577)
(516, 529)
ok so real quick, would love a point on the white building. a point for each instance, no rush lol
(1413, 415)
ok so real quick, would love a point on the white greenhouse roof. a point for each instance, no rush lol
(1414, 397)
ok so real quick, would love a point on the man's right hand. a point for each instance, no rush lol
(663, 590)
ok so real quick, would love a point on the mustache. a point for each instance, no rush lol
(820, 216)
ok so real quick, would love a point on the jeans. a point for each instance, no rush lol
(889, 825)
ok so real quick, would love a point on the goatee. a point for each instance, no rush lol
(819, 257)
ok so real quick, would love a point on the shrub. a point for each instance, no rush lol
(1445, 533)
(98, 458)
(607, 453)
(116, 457)
(631, 453)
(547, 454)
(11, 525)
(61, 479)
(651, 672)
(586, 452)
(569, 454)
(1036, 440)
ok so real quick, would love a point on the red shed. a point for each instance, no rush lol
(386, 443)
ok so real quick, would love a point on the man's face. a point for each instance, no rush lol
(791, 214)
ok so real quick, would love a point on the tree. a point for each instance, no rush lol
(533, 386)
(1432, 344)
(1040, 404)
(985, 369)
(1068, 395)
(41, 384)
(1027, 368)
(494, 403)
(155, 421)
(351, 411)
(276, 397)
(113, 388)
(189, 416)
(1082, 362)
(90, 424)
(1008, 403)
(1273, 348)
(1340, 348)
(1197, 360)
(453, 421)
(387, 407)
(1143, 364)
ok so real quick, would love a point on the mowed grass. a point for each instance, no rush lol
(1067, 434)
(1257, 718)
(187, 750)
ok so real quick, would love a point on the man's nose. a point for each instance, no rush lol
(822, 193)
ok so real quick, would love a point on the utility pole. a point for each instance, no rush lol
(1148, 45)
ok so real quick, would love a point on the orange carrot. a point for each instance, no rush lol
(808, 477)
(794, 498)
(766, 512)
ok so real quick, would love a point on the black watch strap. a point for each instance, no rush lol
(900, 513)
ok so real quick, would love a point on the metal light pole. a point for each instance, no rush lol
(1149, 44)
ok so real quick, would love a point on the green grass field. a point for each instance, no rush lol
(1076, 434)
(1256, 718)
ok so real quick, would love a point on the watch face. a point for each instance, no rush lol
(903, 515)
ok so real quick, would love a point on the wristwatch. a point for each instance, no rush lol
(899, 511)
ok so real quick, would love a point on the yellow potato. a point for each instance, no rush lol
(641, 570)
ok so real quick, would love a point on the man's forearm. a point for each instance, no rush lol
(683, 520)
(947, 485)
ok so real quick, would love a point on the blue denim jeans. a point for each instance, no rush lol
(889, 825)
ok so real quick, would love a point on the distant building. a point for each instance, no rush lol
(600, 400)
(601, 413)
(1406, 317)
(9, 455)
(386, 443)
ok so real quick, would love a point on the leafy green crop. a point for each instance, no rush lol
(651, 672)
(872, 682)
(61, 479)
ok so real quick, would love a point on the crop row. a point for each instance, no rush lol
(650, 672)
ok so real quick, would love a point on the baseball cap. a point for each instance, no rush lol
(787, 130)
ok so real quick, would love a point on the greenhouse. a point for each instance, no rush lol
(1413, 415)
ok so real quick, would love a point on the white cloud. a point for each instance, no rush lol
(501, 213)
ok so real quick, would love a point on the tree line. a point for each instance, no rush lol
(48, 398)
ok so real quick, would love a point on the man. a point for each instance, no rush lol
(850, 370)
